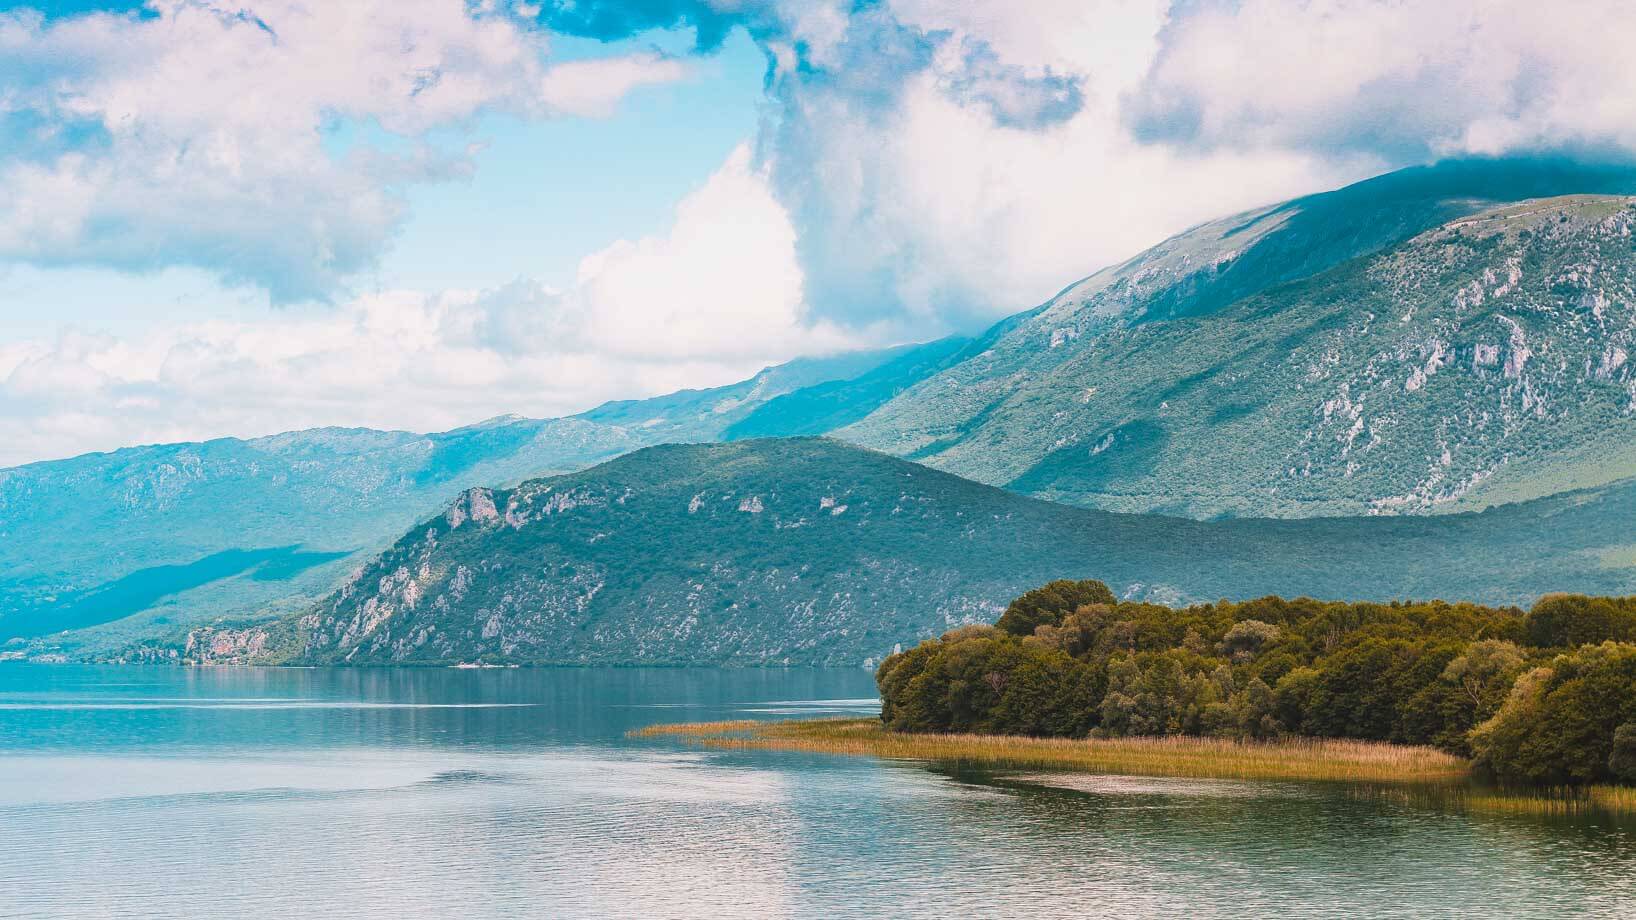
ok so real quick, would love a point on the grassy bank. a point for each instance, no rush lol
(1200, 758)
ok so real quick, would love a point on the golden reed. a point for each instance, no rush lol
(1295, 759)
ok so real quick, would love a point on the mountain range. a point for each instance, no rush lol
(1436, 341)
(812, 551)
(142, 541)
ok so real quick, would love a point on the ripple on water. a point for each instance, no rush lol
(1172, 787)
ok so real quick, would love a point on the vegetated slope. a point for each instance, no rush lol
(73, 530)
(812, 551)
(707, 415)
(1407, 344)
(128, 538)
(826, 406)
(1482, 362)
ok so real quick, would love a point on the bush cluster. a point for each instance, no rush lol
(1546, 696)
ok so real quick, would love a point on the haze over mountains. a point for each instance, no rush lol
(1435, 340)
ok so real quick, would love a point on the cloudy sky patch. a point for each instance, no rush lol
(235, 219)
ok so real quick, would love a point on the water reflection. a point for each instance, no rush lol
(130, 792)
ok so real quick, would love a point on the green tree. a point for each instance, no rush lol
(1559, 724)
(990, 684)
(1484, 672)
(1294, 696)
(1571, 620)
(893, 677)
(1247, 638)
(1358, 691)
(1050, 604)
(1469, 691)
(1622, 762)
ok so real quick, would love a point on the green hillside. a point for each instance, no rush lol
(807, 551)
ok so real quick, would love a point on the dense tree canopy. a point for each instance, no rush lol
(1570, 620)
(1571, 721)
(1546, 696)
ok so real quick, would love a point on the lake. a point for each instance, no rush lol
(164, 792)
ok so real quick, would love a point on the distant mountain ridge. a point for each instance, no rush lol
(812, 551)
(76, 534)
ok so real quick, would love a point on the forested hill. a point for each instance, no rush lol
(812, 551)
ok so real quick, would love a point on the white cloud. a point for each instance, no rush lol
(710, 302)
(593, 87)
(1113, 40)
(940, 172)
(197, 136)
(927, 201)
(1410, 78)
(724, 282)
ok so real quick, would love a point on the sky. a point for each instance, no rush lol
(238, 218)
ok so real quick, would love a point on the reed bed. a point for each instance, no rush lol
(1620, 799)
(1617, 800)
(695, 729)
(1178, 756)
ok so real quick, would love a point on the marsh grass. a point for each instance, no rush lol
(1620, 799)
(1617, 800)
(696, 729)
(1180, 756)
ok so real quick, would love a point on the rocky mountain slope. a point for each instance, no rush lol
(146, 538)
(1405, 345)
(812, 551)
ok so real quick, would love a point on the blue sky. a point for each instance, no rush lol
(544, 193)
(540, 195)
(241, 218)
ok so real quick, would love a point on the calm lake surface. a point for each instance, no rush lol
(166, 792)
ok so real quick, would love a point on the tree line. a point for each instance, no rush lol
(1544, 696)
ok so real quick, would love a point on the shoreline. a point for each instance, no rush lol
(1055, 761)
